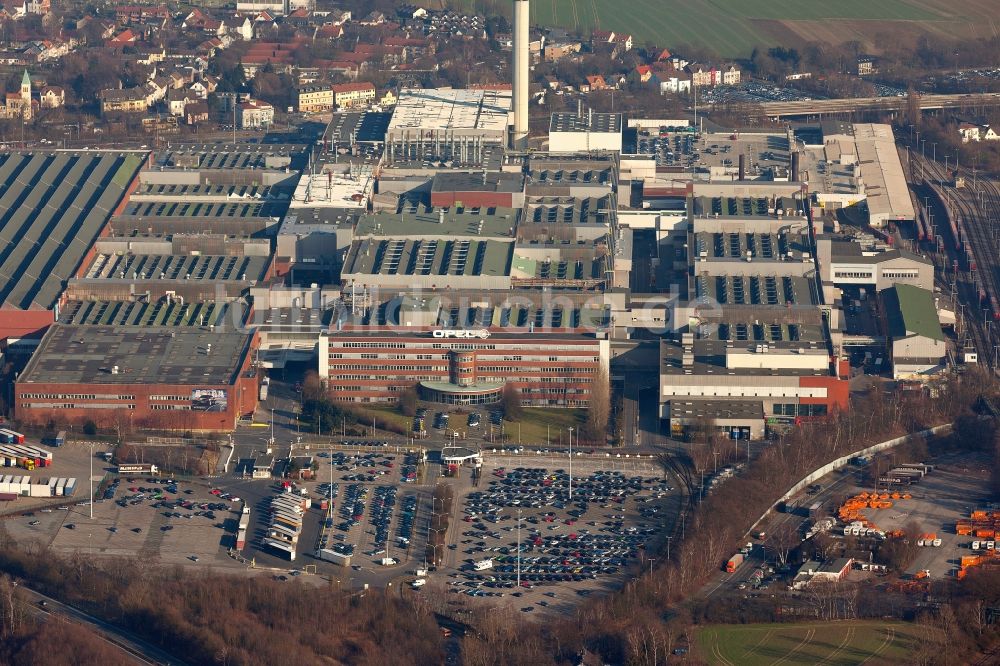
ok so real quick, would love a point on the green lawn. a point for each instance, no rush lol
(387, 413)
(733, 27)
(830, 643)
(535, 419)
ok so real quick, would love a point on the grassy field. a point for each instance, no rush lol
(535, 419)
(733, 27)
(829, 643)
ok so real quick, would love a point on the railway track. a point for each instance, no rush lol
(976, 248)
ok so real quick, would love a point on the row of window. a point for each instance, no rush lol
(426, 368)
(179, 398)
(183, 408)
(845, 274)
(77, 396)
(799, 410)
(71, 405)
(464, 346)
(902, 275)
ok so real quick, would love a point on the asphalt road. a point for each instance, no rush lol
(723, 582)
(137, 649)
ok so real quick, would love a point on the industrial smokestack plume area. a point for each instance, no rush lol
(521, 56)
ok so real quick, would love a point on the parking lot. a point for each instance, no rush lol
(374, 504)
(523, 524)
(156, 519)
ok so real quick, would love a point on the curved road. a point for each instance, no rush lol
(136, 648)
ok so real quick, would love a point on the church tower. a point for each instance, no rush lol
(26, 96)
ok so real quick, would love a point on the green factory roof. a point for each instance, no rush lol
(910, 311)
(454, 222)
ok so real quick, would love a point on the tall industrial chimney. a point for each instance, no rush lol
(520, 82)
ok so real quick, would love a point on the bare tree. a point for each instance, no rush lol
(600, 407)
(781, 541)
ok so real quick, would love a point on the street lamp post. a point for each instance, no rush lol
(272, 426)
(519, 549)
(571, 462)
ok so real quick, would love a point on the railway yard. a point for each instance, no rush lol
(962, 223)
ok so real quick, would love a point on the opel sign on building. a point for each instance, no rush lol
(455, 333)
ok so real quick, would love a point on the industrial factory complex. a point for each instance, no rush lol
(425, 247)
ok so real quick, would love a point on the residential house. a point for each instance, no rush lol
(989, 134)
(127, 100)
(710, 75)
(619, 42)
(210, 82)
(330, 31)
(555, 52)
(126, 14)
(315, 99)
(969, 132)
(178, 100)
(240, 27)
(196, 112)
(596, 82)
(374, 18)
(348, 95)
(199, 90)
(254, 114)
(52, 97)
(730, 75)
(701, 75)
(674, 81)
(643, 73)
(388, 99)
(624, 42)
(124, 38)
(867, 65)
(150, 54)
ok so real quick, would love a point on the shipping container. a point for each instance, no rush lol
(244, 522)
(282, 535)
(61, 488)
(328, 555)
(70, 488)
(241, 540)
(60, 438)
(39, 489)
(11, 436)
(293, 518)
(284, 549)
(297, 526)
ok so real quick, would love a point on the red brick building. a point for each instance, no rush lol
(477, 190)
(171, 378)
(466, 366)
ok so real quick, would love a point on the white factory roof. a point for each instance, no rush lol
(451, 109)
(324, 189)
(882, 171)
